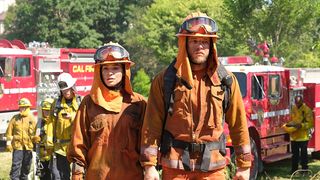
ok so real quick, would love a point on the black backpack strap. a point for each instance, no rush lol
(170, 79)
(57, 107)
(56, 110)
(226, 82)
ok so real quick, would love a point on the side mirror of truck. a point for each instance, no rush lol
(8, 68)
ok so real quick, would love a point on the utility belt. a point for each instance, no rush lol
(188, 147)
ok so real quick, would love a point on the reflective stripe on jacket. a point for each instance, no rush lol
(303, 116)
(106, 143)
(183, 125)
(20, 132)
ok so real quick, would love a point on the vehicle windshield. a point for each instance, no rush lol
(242, 80)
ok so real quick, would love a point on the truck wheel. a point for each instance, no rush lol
(255, 161)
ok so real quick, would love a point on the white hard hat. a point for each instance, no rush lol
(66, 81)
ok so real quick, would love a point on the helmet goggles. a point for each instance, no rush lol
(194, 24)
(104, 53)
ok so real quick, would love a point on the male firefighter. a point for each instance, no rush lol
(299, 130)
(20, 138)
(188, 126)
(105, 142)
(45, 147)
(63, 112)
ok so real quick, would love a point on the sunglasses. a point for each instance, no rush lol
(117, 52)
(194, 24)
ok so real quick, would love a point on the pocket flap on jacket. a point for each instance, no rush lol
(217, 92)
(98, 124)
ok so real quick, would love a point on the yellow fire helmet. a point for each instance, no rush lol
(24, 102)
(46, 104)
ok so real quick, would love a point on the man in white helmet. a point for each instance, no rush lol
(62, 115)
(187, 123)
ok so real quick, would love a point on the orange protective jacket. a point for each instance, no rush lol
(105, 143)
(196, 117)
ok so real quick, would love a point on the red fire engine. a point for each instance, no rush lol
(32, 73)
(268, 92)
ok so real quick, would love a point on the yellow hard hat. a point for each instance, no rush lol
(46, 104)
(24, 102)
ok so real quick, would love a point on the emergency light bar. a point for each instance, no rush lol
(236, 60)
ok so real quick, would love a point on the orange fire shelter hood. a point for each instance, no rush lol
(183, 64)
(110, 100)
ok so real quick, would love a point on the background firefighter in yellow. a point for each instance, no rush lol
(20, 138)
(299, 130)
(44, 148)
(63, 112)
(106, 133)
(190, 130)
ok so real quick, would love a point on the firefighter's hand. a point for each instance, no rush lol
(242, 174)
(150, 173)
(36, 139)
(77, 176)
(9, 148)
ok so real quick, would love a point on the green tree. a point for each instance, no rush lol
(289, 27)
(141, 83)
(151, 38)
(61, 23)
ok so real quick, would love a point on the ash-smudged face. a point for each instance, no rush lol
(198, 49)
(112, 74)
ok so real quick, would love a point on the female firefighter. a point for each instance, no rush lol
(106, 132)
(63, 111)
(45, 147)
(20, 138)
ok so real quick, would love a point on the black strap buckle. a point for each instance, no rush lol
(196, 147)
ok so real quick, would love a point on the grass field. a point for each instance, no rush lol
(275, 171)
(5, 161)
(281, 171)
